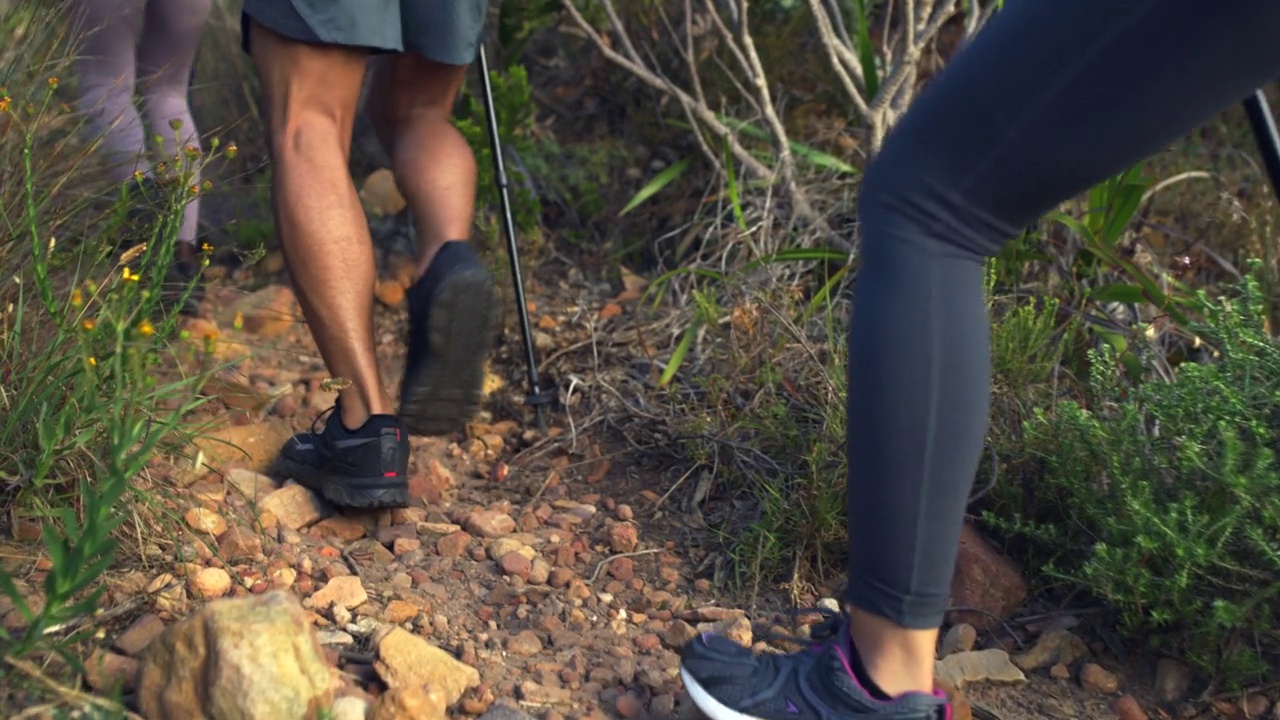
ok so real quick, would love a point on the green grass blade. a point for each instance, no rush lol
(823, 295)
(677, 356)
(866, 51)
(663, 179)
(731, 177)
(814, 157)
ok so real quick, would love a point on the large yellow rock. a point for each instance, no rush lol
(253, 447)
(252, 658)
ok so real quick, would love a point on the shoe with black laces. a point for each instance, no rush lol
(364, 468)
(450, 334)
(729, 682)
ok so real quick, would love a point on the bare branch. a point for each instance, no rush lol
(841, 30)
(909, 46)
(727, 35)
(700, 111)
(833, 47)
(782, 145)
(847, 60)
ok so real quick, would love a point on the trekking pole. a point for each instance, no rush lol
(1264, 133)
(537, 398)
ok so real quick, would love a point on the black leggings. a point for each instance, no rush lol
(1052, 97)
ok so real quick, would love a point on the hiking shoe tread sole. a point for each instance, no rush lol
(446, 388)
(362, 493)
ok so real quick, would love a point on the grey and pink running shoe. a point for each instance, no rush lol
(729, 682)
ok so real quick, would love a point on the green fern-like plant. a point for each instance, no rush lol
(1163, 499)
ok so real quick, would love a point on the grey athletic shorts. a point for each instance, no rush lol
(446, 31)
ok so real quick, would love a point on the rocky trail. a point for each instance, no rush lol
(535, 574)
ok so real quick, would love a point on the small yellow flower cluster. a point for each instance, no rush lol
(129, 275)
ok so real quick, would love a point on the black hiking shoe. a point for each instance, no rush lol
(729, 682)
(365, 468)
(450, 333)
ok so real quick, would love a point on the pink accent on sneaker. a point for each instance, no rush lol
(848, 668)
(946, 703)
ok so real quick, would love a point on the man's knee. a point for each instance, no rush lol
(303, 132)
(305, 112)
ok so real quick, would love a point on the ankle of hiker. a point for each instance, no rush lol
(894, 659)
(356, 407)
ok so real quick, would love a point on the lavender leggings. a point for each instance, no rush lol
(151, 44)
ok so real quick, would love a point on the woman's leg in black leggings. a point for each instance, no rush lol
(1054, 96)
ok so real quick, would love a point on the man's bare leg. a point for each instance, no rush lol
(451, 299)
(410, 102)
(310, 93)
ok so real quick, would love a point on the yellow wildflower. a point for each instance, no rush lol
(77, 297)
(238, 323)
(53, 83)
(4, 104)
(146, 328)
(206, 247)
(129, 275)
(88, 323)
(231, 151)
(93, 361)
(194, 189)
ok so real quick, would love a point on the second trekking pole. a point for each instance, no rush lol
(537, 398)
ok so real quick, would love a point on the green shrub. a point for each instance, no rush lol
(513, 105)
(1163, 499)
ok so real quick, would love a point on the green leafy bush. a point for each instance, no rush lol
(1163, 498)
(513, 105)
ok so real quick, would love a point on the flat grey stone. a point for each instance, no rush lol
(975, 666)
